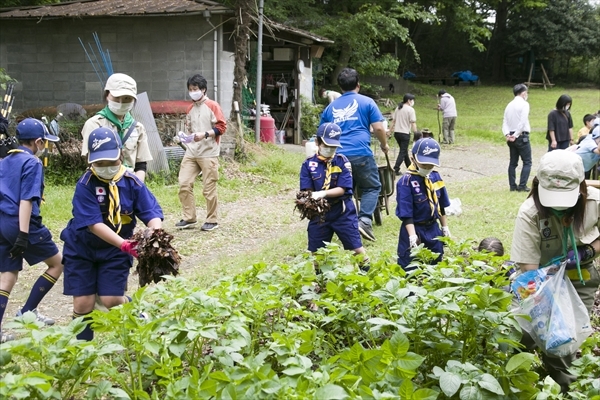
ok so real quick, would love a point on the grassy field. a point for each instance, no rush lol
(489, 209)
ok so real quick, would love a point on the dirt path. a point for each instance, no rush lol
(243, 228)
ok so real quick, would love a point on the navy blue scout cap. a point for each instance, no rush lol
(427, 151)
(330, 134)
(103, 145)
(31, 128)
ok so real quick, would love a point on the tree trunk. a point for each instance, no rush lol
(343, 61)
(243, 11)
(497, 42)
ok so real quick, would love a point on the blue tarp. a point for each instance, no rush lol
(466, 76)
(408, 75)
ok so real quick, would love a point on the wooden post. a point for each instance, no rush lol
(240, 135)
(530, 72)
(545, 75)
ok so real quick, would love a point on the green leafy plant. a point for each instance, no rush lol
(4, 78)
(283, 331)
(309, 121)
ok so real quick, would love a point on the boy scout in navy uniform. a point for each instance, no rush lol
(22, 234)
(329, 175)
(421, 199)
(97, 252)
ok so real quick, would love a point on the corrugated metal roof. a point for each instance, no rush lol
(132, 8)
(299, 32)
(98, 8)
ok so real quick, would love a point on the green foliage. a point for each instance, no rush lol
(358, 35)
(309, 122)
(281, 331)
(563, 26)
(4, 78)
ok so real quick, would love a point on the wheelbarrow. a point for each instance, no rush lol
(386, 177)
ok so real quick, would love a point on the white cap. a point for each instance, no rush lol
(121, 85)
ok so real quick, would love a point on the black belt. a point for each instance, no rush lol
(426, 223)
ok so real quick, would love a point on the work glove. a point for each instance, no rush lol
(20, 245)
(130, 247)
(586, 252)
(185, 138)
(446, 231)
(412, 241)
(318, 195)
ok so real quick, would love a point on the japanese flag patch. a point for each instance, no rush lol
(415, 184)
(100, 191)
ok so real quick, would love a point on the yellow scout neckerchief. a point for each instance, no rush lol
(114, 205)
(431, 194)
(330, 169)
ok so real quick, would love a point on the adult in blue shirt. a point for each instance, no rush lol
(355, 114)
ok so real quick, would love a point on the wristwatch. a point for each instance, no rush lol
(206, 135)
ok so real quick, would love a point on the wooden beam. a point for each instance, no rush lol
(545, 75)
(530, 72)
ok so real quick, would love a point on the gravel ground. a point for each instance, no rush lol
(242, 224)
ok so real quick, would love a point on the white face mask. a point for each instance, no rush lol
(327, 151)
(567, 107)
(196, 95)
(119, 108)
(39, 152)
(561, 208)
(411, 103)
(107, 172)
(525, 97)
(424, 171)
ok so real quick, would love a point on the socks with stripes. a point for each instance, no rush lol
(41, 287)
(3, 302)
(87, 333)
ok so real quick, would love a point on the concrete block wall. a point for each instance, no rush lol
(160, 53)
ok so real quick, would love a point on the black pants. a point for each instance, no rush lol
(403, 139)
(521, 147)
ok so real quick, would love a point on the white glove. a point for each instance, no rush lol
(412, 240)
(185, 138)
(318, 195)
(446, 231)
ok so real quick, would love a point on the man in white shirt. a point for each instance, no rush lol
(515, 128)
(448, 107)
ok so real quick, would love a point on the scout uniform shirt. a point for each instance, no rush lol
(21, 178)
(91, 204)
(413, 201)
(314, 172)
(538, 240)
(134, 150)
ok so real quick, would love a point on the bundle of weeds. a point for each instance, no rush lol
(310, 208)
(156, 255)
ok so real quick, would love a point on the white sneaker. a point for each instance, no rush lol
(39, 317)
(6, 337)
